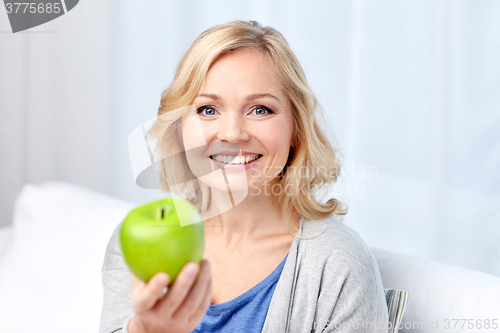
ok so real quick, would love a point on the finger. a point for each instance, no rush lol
(146, 296)
(195, 295)
(136, 282)
(202, 308)
(178, 291)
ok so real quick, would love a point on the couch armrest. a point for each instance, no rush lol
(439, 293)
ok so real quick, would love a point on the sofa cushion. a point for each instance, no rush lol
(50, 273)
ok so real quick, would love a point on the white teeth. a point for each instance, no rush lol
(234, 160)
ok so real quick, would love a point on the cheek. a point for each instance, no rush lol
(192, 133)
(277, 138)
(279, 144)
(195, 145)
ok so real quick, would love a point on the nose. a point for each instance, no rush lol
(232, 128)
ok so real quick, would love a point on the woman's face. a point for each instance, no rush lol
(240, 114)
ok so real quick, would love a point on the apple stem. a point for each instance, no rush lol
(162, 212)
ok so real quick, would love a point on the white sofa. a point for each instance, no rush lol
(50, 261)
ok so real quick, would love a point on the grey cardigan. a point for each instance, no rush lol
(330, 283)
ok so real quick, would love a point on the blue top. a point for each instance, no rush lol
(245, 313)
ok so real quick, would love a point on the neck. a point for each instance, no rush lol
(255, 218)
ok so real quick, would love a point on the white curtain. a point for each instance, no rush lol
(411, 88)
(55, 85)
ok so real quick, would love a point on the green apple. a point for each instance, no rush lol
(162, 236)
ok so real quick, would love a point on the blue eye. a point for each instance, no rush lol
(261, 110)
(210, 110)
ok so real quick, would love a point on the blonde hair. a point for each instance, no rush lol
(311, 149)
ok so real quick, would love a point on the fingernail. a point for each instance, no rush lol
(192, 269)
(163, 292)
(162, 280)
(206, 266)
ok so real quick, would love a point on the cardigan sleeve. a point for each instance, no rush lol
(360, 304)
(117, 288)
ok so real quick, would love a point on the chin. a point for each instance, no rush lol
(236, 183)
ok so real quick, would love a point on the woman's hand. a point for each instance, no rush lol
(180, 310)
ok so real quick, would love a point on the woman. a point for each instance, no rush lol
(276, 259)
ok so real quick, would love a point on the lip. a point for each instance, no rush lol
(234, 153)
(236, 167)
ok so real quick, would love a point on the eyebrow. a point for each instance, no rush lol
(249, 98)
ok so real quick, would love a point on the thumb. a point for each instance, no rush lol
(146, 295)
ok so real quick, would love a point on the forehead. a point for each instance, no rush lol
(245, 70)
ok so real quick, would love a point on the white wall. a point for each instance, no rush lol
(411, 88)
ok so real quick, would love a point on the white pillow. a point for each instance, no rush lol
(5, 236)
(50, 273)
(439, 293)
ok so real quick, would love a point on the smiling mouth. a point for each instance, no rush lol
(230, 160)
